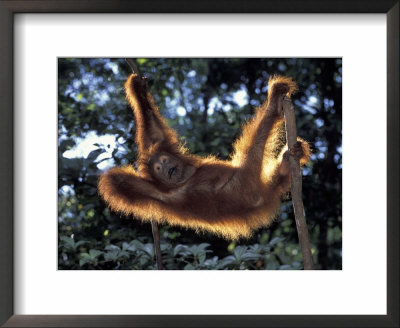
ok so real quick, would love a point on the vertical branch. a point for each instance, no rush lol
(154, 226)
(291, 136)
(156, 237)
(132, 65)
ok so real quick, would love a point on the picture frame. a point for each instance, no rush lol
(9, 8)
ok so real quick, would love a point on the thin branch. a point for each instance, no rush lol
(156, 236)
(132, 64)
(291, 136)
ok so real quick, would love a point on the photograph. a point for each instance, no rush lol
(199, 163)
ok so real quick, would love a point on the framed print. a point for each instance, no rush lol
(55, 274)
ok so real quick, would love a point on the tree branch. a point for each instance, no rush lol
(132, 64)
(156, 237)
(291, 136)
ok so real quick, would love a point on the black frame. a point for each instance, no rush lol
(7, 10)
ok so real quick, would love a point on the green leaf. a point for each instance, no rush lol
(202, 258)
(215, 142)
(198, 249)
(128, 247)
(239, 252)
(80, 242)
(227, 261)
(85, 258)
(94, 253)
(141, 61)
(211, 262)
(91, 107)
(112, 247)
(68, 242)
(203, 246)
(66, 144)
(188, 267)
(123, 254)
(111, 255)
(83, 261)
(276, 240)
(181, 250)
(136, 243)
(149, 250)
(249, 256)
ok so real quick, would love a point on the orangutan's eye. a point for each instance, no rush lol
(163, 159)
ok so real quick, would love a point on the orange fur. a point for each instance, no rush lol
(229, 198)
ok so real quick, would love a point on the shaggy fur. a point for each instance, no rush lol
(230, 198)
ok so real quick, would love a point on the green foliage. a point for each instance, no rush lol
(138, 255)
(199, 99)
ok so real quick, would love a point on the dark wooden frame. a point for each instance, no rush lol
(7, 11)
